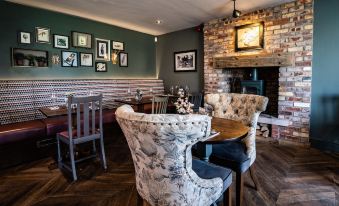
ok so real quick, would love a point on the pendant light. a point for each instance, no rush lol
(236, 13)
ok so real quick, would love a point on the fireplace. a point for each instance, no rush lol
(287, 54)
(260, 81)
(253, 86)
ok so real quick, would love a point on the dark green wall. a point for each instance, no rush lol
(325, 76)
(14, 18)
(167, 44)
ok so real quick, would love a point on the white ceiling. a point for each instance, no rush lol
(140, 15)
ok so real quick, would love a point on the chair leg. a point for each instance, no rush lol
(239, 188)
(140, 201)
(103, 157)
(227, 199)
(254, 178)
(94, 148)
(71, 151)
(59, 153)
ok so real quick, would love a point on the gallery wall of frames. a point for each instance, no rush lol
(105, 50)
(51, 44)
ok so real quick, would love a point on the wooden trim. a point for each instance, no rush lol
(258, 60)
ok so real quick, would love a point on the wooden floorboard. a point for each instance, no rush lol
(287, 175)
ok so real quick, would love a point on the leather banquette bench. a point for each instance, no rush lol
(30, 140)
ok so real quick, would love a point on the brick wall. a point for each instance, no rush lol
(288, 28)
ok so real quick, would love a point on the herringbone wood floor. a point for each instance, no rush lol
(288, 175)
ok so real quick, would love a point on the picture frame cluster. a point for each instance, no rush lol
(105, 50)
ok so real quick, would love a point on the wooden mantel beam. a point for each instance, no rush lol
(258, 60)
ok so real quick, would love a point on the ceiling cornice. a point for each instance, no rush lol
(140, 15)
(46, 6)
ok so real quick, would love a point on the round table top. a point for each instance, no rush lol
(229, 129)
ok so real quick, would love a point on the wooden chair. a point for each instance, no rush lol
(159, 105)
(237, 155)
(196, 100)
(165, 172)
(86, 130)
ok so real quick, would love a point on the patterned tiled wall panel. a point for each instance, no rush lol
(20, 100)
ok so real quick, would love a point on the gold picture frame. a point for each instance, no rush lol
(81, 40)
(250, 36)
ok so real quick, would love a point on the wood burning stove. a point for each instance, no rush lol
(253, 86)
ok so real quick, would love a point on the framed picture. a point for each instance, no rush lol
(43, 35)
(115, 57)
(69, 59)
(60, 41)
(86, 59)
(24, 37)
(29, 58)
(185, 61)
(123, 59)
(100, 66)
(82, 40)
(55, 59)
(117, 45)
(103, 49)
(250, 36)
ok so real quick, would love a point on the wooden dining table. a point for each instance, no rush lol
(222, 130)
(139, 104)
(52, 112)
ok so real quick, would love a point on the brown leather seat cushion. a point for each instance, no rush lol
(55, 125)
(108, 116)
(22, 130)
(148, 108)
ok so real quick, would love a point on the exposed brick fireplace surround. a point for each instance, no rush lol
(288, 29)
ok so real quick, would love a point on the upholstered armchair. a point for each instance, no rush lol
(238, 156)
(160, 145)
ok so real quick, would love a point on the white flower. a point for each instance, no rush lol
(182, 104)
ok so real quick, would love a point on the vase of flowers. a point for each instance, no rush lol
(182, 104)
(138, 95)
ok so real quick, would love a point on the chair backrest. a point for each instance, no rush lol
(85, 121)
(160, 145)
(240, 107)
(196, 100)
(159, 105)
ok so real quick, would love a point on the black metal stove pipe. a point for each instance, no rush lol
(254, 74)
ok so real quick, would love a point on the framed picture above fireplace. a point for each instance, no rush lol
(250, 36)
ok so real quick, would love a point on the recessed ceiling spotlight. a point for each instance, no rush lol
(158, 21)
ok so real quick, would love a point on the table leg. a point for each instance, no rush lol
(204, 151)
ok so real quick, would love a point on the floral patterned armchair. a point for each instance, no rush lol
(241, 107)
(238, 156)
(161, 150)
